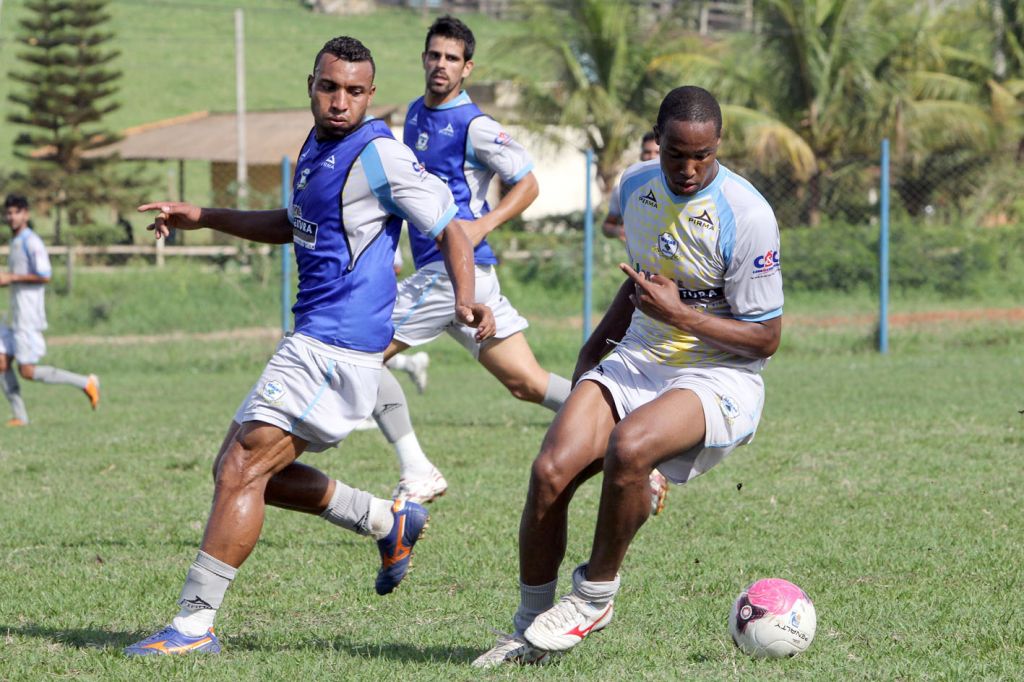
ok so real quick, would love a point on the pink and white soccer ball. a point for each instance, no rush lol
(773, 618)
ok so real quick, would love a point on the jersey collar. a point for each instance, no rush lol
(682, 199)
(461, 99)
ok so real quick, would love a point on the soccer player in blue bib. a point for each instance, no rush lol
(671, 377)
(467, 149)
(354, 185)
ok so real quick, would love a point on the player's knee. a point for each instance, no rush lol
(236, 469)
(27, 372)
(549, 477)
(626, 458)
(525, 390)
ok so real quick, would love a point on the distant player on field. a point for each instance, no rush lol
(454, 140)
(21, 338)
(612, 225)
(669, 379)
(354, 184)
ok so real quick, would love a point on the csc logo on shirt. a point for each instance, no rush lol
(767, 262)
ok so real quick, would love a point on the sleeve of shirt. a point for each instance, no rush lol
(38, 258)
(406, 188)
(753, 276)
(491, 146)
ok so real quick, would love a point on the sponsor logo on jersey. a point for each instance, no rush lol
(422, 141)
(329, 162)
(766, 264)
(729, 407)
(303, 231)
(419, 170)
(700, 294)
(303, 178)
(668, 246)
(273, 392)
(703, 220)
(503, 138)
(447, 130)
(649, 199)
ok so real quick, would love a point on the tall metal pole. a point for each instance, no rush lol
(286, 249)
(242, 171)
(588, 249)
(883, 255)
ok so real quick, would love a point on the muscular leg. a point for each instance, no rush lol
(662, 429)
(570, 454)
(254, 455)
(512, 362)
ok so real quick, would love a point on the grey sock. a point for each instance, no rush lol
(601, 592)
(207, 581)
(557, 392)
(53, 375)
(349, 508)
(12, 389)
(533, 601)
(392, 410)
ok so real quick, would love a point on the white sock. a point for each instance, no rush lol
(207, 580)
(593, 591)
(412, 461)
(557, 392)
(380, 520)
(194, 623)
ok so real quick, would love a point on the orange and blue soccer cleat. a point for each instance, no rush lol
(396, 549)
(169, 642)
(92, 390)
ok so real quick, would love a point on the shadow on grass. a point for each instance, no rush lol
(92, 638)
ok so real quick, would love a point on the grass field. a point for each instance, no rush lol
(888, 487)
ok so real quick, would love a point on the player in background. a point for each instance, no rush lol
(21, 338)
(612, 228)
(671, 377)
(454, 140)
(322, 379)
(612, 225)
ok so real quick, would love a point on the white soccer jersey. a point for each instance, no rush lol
(28, 257)
(720, 246)
(492, 151)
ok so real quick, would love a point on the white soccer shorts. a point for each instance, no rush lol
(732, 400)
(317, 392)
(26, 345)
(425, 308)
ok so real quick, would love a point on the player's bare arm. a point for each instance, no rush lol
(609, 331)
(613, 228)
(458, 261)
(518, 199)
(658, 297)
(8, 278)
(266, 227)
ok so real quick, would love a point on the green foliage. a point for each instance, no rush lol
(948, 260)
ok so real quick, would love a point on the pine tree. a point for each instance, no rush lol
(67, 87)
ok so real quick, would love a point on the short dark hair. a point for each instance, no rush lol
(690, 103)
(346, 49)
(450, 27)
(649, 136)
(16, 201)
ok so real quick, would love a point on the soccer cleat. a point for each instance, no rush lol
(565, 624)
(658, 487)
(92, 390)
(169, 642)
(511, 649)
(410, 520)
(16, 422)
(421, 490)
(418, 370)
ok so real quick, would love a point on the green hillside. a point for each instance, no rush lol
(178, 57)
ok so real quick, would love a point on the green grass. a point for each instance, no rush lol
(886, 486)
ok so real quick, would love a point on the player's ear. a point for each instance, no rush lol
(373, 89)
(309, 85)
(467, 69)
(657, 135)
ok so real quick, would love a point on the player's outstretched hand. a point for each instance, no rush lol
(656, 296)
(172, 215)
(478, 316)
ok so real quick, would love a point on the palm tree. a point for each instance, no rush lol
(600, 60)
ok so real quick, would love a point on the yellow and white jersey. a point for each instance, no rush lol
(720, 246)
